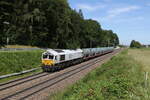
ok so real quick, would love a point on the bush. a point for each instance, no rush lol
(1, 42)
(135, 44)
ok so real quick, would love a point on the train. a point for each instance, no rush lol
(56, 59)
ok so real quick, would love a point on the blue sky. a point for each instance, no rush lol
(130, 19)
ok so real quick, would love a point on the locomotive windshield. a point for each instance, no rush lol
(51, 57)
(45, 56)
(48, 56)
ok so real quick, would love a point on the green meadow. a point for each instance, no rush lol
(121, 78)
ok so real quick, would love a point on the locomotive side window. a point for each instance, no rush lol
(55, 57)
(62, 57)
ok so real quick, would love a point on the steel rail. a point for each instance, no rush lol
(22, 81)
(1, 84)
(20, 73)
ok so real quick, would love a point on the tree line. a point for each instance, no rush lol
(50, 23)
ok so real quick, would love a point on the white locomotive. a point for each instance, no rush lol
(54, 59)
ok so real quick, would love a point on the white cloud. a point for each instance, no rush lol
(129, 20)
(90, 7)
(148, 4)
(107, 0)
(117, 11)
(120, 20)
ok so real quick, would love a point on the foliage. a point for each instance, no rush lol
(1, 33)
(17, 61)
(50, 23)
(135, 44)
(119, 79)
(1, 40)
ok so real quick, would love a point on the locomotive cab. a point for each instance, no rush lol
(48, 59)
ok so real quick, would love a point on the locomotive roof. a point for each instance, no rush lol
(62, 51)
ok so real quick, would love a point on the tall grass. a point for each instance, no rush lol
(142, 56)
(119, 79)
(17, 61)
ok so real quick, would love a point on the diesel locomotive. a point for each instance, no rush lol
(55, 59)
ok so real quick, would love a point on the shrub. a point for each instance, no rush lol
(135, 44)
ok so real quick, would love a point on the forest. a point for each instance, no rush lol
(50, 24)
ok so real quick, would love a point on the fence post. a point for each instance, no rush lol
(146, 79)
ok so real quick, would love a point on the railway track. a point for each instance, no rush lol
(21, 81)
(26, 87)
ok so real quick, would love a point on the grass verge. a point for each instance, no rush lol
(17, 61)
(122, 78)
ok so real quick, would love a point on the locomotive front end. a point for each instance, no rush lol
(48, 61)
